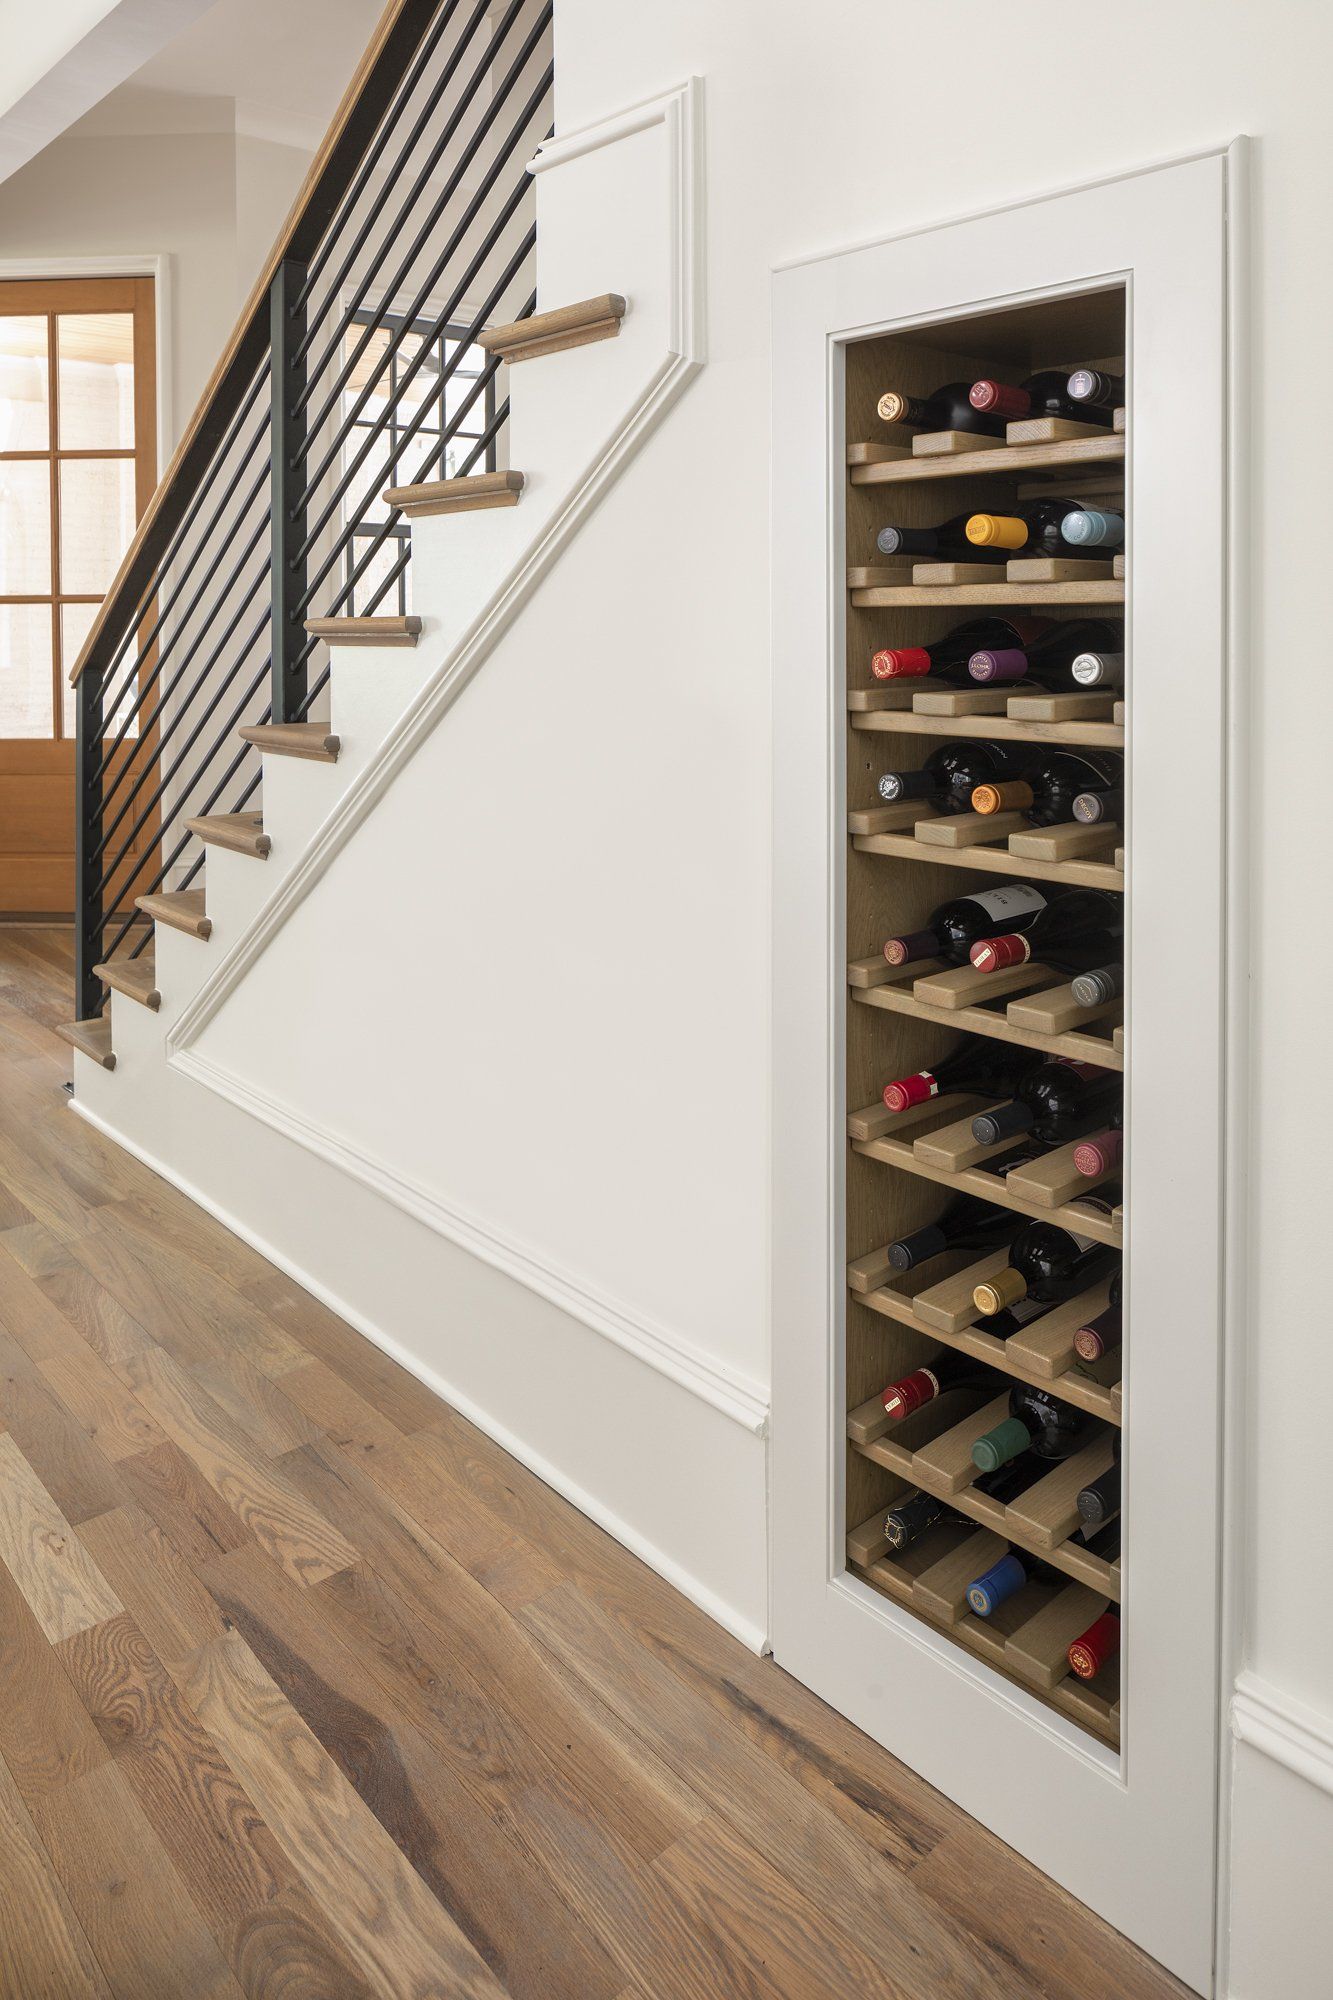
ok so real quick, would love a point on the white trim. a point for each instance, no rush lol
(717, 1608)
(1297, 1737)
(735, 1395)
(118, 264)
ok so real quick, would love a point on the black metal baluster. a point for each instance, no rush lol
(289, 505)
(87, 836)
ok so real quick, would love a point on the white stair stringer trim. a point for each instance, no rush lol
(736, 1396)
(1297, 1737)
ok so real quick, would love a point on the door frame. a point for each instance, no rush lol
(1173, 234)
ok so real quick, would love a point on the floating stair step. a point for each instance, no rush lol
(365, 631)
(457, 496)
(136, 978)
(92, 1038)
(550, 332)
(243, 833)
(182, 909)
(294, 739)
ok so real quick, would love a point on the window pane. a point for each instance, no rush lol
(25, 670)
(381, 566)
(96, 521)
(371, 366)
(75, 624)
(23, 415)
(95, 386)
(25, 527)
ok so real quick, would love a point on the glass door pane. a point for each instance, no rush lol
(25, 670)
(24, 421)
(25, 527)
(96, 521)
(95, 381)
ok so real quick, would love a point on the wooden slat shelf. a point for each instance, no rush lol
(914, 597)
(988, 728)
(1083, 1044)
(1076, 1215)
(1106, 447)
(998, 860)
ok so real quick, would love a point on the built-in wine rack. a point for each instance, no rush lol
(903, 860)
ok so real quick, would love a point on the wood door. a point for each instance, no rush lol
(78, 461)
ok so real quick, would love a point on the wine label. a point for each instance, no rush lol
(1016, 899)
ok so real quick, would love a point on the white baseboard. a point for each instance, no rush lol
(1284, 1729)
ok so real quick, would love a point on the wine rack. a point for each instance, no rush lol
(902, 860)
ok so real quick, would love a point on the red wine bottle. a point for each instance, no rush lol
(1045, 394)
(1097, 1154)
(1054, 1102)
(909, 1518)
(1050, 659)
(1091, 919)
(1047, 1263)
(1097, 807)
(952, 773)
(949, 542)
(949, 408)
(1095, 985)
(1047, 789)
(968, 1223)
(1091, 389)
(1105, 1331)
(949, 1370)
(957, 927)
(1089, 1653)
(1034, 528)
(1099, 1501)
(987, 1592)
(948, 659)
(1094, 528)
(979, 1066)
(1101, 1542)
(1036, 1422)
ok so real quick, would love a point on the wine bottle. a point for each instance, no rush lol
(1094, 528)
(949, 542)
(1091, 389)
(1048, 1263)
(1103, 1332)
(949, 1370)
(987, 1592)
(1095, 985)
(1035, 527)
(1036, 1422)
(1047, 789)
(1104, 1543)
(952, 773)
(910, 1518)
(979, 1066)
(948, 658)
(1099, 1501)
(949, 408)
(1090, 919)
(968, 1223)
(957, 927)
(1097, 1155)
(1093, 807)
(1054, 1102)
(1089, 1653)
(1045, 394)
(1050, 659)
(1098, 667)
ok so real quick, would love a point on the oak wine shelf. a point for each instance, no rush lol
(998, 860)
(1016, 596)
(1045, 1015)
(1105, 448)
(987, 728)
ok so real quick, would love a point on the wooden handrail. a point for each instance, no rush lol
(398, 34)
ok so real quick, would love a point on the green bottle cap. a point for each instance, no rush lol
(997, 1447)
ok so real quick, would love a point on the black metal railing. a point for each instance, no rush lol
(354, 368)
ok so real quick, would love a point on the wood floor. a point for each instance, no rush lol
(309, 1692)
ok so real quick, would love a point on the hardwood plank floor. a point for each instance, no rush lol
(309, 1692)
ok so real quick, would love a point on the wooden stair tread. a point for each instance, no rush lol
(294, 739)
(242, 832)
(91, 1038)
(136, 978)
(551, 332)
(377, 631)
(457, 496)
(181, 909)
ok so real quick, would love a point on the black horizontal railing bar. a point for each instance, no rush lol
(413, 368)
(188, 520)
(364, 233)
(191, 740)
(323, 680)
(388, 125)
(249, 342)
(150, 681)
(402, 276)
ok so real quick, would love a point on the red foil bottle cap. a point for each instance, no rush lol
(1000, 399)
(1093, 1648)
(905, 1091)
(997, 953)
(1097, 1156)
(891, 663)
(1088, 1344)
(917, 944)
(901, 1398)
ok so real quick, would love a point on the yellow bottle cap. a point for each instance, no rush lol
(997, 531)
(994, 798)
(1006, 1288)
(891, 406)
